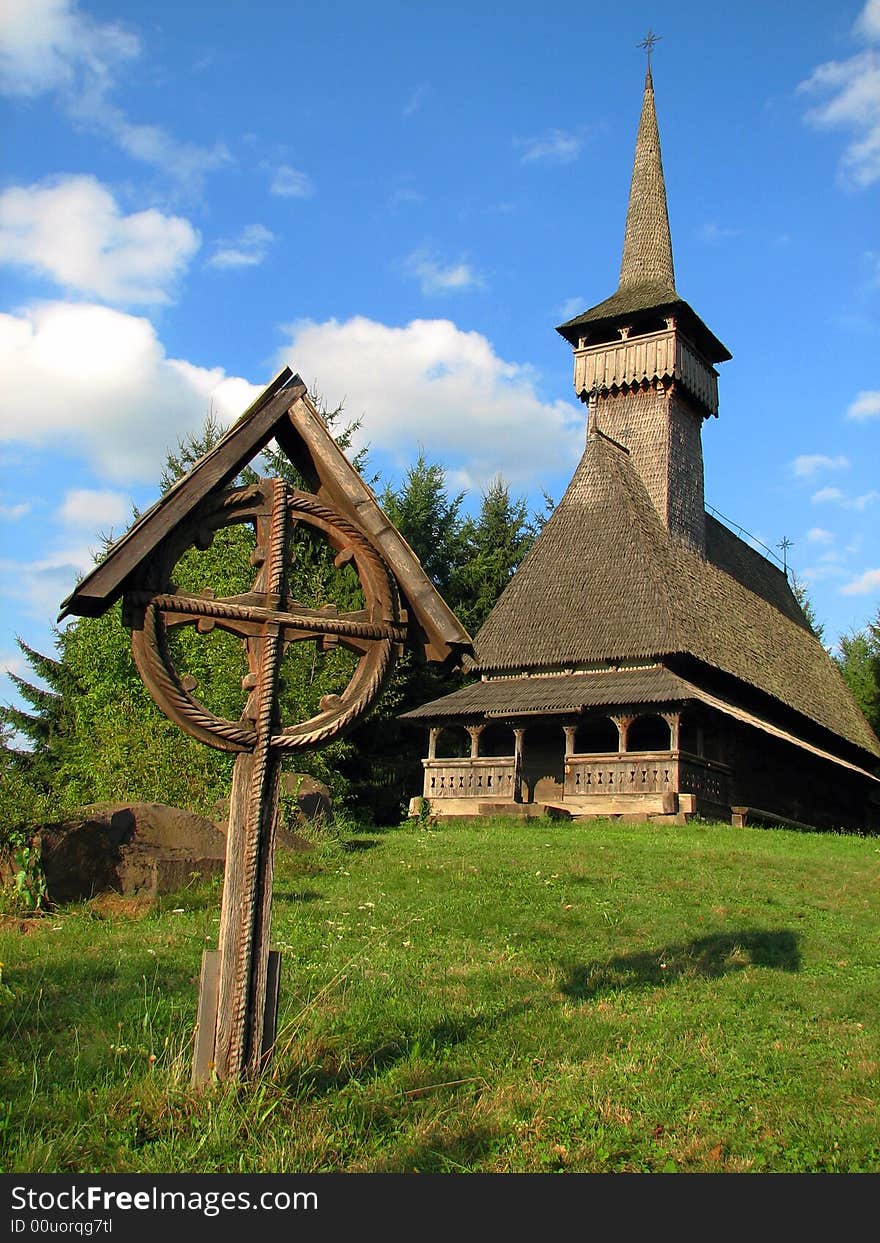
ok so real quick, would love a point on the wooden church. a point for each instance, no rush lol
(644, 660)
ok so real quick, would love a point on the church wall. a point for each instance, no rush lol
(663, 437)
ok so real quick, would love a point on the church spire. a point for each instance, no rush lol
(647, 244)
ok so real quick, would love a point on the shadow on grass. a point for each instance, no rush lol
(333, 1072)
(704, 958)
(296, 895)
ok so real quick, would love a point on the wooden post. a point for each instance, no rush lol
(245, 918)
(518, 735)
(240, 1045)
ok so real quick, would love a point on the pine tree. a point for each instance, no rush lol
(858, 659)
(493, 546)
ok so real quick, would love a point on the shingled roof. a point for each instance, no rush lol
(605, 582)
(647, 276)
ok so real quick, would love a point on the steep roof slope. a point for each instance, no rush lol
(606, 582)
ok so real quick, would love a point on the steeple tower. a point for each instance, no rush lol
(647, 244)
(643, 359)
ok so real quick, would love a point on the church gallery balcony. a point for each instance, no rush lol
(638, 759)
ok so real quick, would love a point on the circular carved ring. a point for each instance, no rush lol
(266, 619)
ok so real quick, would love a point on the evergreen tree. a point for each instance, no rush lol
(429, 520)
(802, 595)
(493, 546)
(858, 659)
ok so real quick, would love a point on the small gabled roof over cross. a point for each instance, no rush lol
(285, 413)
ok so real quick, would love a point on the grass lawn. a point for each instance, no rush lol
(475, 996)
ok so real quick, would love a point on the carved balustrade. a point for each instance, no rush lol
(490, 778)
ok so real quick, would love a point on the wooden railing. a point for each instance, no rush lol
(647, 772)
(613, 775)
(492, 779)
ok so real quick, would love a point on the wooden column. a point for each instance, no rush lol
(433, 735)
(570, 731)
(475, 731)
(673, 720)
(518, 735)
(623, 723)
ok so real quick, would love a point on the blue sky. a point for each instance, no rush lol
(402, 202)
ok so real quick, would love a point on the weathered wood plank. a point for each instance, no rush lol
(247, 437)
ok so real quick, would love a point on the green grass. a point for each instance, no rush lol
(481, 996)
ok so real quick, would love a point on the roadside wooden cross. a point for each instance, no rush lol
(239, 982)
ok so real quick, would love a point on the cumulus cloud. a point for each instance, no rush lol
(44, 582)
(869, 581)
(71, 230)
(94, 509)
(865, 406)
(96, 382)
(430, 384)
(51, 46)
(808, 464)
(46, 44)
(436, 277)
(851, 91)
(248, 250)
(826, 494)
(554, 146)
(818, 535)
(291, 183)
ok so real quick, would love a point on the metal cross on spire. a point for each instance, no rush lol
(785, 543)
(648, 43)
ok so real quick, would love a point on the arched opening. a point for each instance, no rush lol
(596, 736)
(453, 743)
(497, 740)
(648, 733)
(543, 764)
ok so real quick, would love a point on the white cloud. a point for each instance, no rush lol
(818, 535)
(13, 662)
(852, 101)
(554, 146)
(12, 513)
(437, 278)
(43, 583)
(826, 494)
(868, 21)
(809, 463)
(50, 45)
(570, 307)
(71, 230)
(714, 232)
(95, 382)
(817, 573)
(291, 183)
(94, 509)
(430, 384)
(869, 581)
(862, 502)
(248, 250)
(46, 44)
(865, 406)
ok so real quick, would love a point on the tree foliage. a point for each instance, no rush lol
(858, 658)
(91, 732)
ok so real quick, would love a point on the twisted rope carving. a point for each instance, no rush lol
(153, 659)
(258, 804)
(204, 606)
